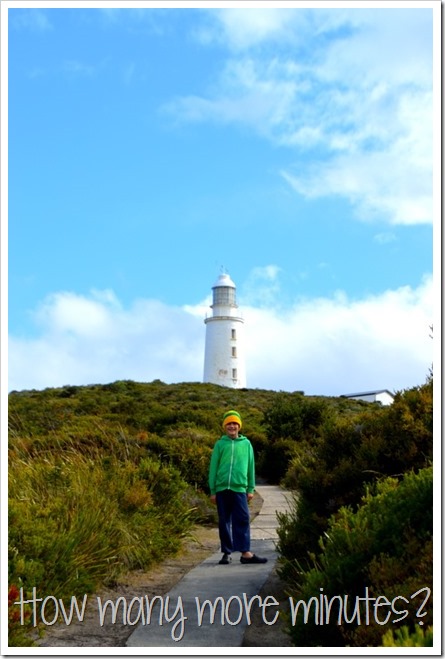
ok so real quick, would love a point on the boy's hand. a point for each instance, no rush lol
(249, 496)
(213, 498)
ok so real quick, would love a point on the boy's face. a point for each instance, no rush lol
(232, 430)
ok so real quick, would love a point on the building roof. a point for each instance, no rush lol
(368, 393)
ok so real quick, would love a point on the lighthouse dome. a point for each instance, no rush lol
(224, 280)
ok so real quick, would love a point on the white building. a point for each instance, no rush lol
(224, 359)
(382, 396)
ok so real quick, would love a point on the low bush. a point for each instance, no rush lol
(385, 547)
(333, 467)
(189, 450)
(107, 478)
(403, 638)
(79, 521)
(275, 458)
(294, 416)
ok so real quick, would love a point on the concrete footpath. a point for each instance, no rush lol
(181, 619)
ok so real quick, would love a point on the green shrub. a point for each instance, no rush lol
(403, 638)
(333, 469)
(139, 452)
(275, 457)
(294, 416)
(290, 421)
(79, 521)
(385, 546)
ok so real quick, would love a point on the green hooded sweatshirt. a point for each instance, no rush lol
(232, 465)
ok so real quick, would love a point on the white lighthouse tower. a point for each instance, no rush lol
(224, 360)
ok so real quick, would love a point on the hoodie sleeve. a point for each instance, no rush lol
(251, 472)
(213, 469)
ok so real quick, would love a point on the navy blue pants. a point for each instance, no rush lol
(234, 521)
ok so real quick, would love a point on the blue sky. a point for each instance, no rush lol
(150, 147)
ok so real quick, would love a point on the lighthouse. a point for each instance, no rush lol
(224, 359)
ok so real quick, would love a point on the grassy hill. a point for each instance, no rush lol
(151, 407)
(109, 478)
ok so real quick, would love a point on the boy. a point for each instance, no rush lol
(232, 484)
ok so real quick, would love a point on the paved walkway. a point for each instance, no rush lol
(182, 619)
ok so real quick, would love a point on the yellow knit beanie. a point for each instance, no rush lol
(232, 416)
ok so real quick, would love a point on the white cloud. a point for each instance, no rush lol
(243, 28)
(76, 67)
(89, 339)
(386, 44)
(326, 346)
(392, 179)
(142, 20)
(34, 20)
(262, 286)
(385, 237)
(128, 73)
(347, 92)
(70, 314)
(383, 184)
(334, 346)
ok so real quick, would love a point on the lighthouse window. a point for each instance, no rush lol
(234, 334)
(233, 352)
(234, 373)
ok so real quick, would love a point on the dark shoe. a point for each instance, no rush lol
(253, 559)
(226, 559)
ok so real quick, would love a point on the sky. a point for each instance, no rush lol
(150, 149)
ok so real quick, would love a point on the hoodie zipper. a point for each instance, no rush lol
(231, 463)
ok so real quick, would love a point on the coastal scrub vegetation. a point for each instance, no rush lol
(362, 521)
(109, 478)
